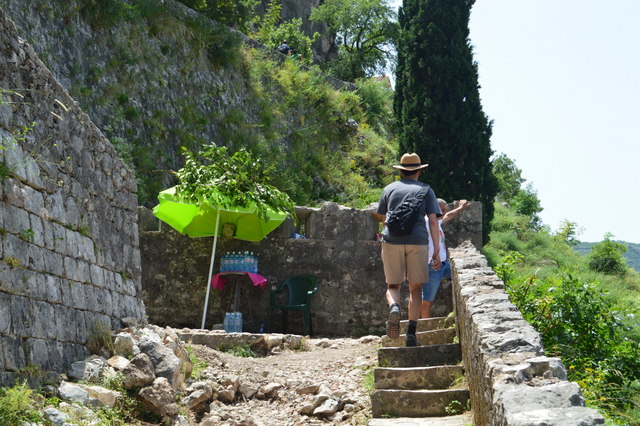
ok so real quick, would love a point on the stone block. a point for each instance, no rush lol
(571, 416)
(37, 352)
(16, 219)
(5, 313)
(38, 230)
(44, 324)
(22, 312)
(37, 257)
(96, 275)
(55, 351)
(33, 200)
(516, 398)
(14, 356)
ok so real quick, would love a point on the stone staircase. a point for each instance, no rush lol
(426, 381)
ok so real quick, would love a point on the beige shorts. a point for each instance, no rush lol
(405, 262)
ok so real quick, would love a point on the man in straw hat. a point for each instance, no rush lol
(405, 257)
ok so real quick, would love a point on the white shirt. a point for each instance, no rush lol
(443, 248)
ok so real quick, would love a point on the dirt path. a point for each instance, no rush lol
(336, 366)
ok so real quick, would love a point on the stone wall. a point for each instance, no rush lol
(340, 251)
(68, 223)
(152, 89)
(510, 379)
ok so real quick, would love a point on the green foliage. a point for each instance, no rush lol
(26, 234)
(437, 104)
(376, 98)
(100, 341)
(365, 32)
(127, 410)
(231, 180)
(588, 319)
(607, 256)
(240, 14)
(243, 351)
(368, 380)
(632, 255)
(509, 177)
(524, 201)
(12, 262)
(568, 232)
(105, 13)
(198, 365)
(17, 406)
(454, 407)
(272, 31)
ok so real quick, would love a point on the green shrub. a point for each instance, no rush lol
(17, 406)
(607, 257)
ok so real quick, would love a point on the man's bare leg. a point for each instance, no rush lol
(393, 323)
(425, 309)
(415, 300)
(393, 294)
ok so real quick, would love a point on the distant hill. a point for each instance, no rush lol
(632, 255)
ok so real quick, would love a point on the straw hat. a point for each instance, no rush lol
(410, 162)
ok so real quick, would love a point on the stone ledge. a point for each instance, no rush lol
(510, 380)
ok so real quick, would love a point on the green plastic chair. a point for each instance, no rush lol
(300, 290)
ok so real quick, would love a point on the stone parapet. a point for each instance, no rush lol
(68, 225)
(510, 379)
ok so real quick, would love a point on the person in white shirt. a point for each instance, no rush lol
(429, 289)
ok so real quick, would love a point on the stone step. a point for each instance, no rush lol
(417, 403)
(412, 378)
(465, 419)
(428, 324)
(432, 337)
(420, 356)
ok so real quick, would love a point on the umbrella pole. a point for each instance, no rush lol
(213, 255)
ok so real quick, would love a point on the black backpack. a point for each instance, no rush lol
(400, 221)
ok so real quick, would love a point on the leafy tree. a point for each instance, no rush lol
(509, 177)
(569, 232)
(272, 31)
(524, 201)
(437, 103)
(365, 31)
(607, 256)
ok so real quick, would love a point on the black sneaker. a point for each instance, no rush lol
(412, 340)
(393, 324)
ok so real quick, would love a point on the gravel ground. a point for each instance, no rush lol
(334, 367)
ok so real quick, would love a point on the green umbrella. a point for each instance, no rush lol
(205, 220)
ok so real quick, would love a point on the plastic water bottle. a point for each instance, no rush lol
(227, 322)
(233, 263)
(239, 330)
(261, 329)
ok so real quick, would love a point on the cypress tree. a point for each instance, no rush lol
(437, 102)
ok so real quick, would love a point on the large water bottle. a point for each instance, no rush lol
(239, 322)
(227, 322)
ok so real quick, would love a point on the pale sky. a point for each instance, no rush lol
(561, 81)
